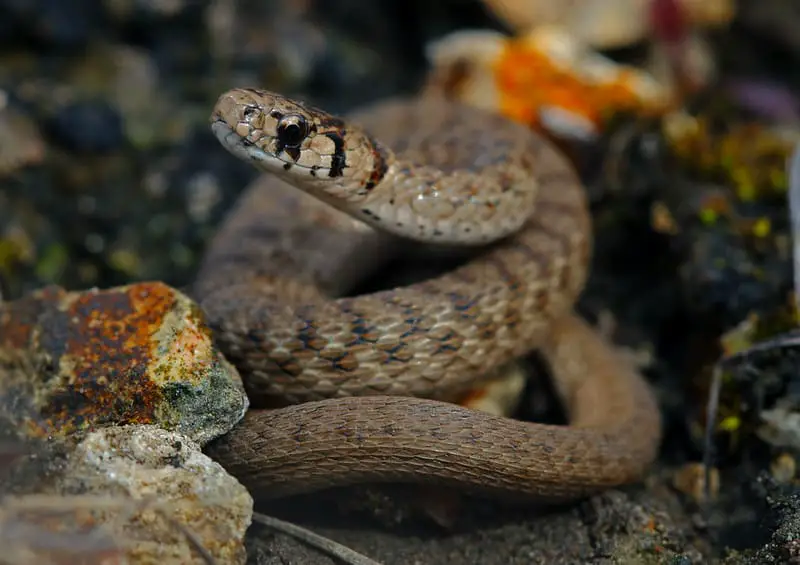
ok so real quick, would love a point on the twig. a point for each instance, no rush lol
(334, 549)
(128, 512)
(711, 414)
(192, 538)
(793, 173)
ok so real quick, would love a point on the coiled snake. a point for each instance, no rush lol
(365, 383)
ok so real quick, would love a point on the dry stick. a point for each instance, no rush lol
(793, 174)
(152, 503)
(335, 549)
(794, 213)
(711, 414)
(192, 538)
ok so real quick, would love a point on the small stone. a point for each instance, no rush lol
(88, 126)
(65, 24)
(146, 11)
(21, 144)
(783, 468)
(141, 493)
(690, 479)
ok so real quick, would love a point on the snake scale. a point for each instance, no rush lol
(363, 388)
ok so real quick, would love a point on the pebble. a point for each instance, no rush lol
(88, 126)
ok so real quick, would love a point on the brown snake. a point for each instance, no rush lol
(366, 383)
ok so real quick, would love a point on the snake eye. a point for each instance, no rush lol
(292, 130)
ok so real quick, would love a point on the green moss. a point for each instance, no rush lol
(52, 262)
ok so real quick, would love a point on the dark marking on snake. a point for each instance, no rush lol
(379, 164)
(338, 161)
(299, 433)
(445, 348)
(326, 121)
(506, 274)
(293, 152)
(371, 214)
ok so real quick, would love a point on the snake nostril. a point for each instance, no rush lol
(250, 112)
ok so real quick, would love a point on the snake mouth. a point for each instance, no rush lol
(241, 147)
(253, 152)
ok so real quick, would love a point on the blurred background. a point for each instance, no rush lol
(679, 114)
(109, 172)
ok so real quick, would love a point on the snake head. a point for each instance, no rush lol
(298, 142)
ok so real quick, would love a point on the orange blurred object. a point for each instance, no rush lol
(546, 79)
(538, 87)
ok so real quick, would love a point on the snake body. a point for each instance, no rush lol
(364, 385)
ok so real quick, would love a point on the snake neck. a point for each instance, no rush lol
(355, 180)
(439, 184)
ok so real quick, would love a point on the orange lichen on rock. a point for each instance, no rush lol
(550, 81)
(546, 79)
(137, 354)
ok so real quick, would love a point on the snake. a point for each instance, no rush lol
(360, 387)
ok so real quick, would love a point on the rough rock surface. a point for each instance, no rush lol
(138, 354)
(110, 394)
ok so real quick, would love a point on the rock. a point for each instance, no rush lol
(173, 487)
(93, 380)
(64, 24)
(773, 23)
(547, 79)
(76, 361)
(149, 11)
(784, 511)
(55, 530)
(88, 126)
(132, 494)
(21, 144)
(603, 24)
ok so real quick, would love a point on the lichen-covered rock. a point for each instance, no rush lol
(138, 354)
